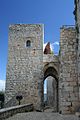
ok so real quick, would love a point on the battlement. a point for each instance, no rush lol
(30, 26)
(68, 27)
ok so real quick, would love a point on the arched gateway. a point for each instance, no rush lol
(51, 71)
(28, 67)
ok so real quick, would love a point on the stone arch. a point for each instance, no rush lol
(51, 64)
(51, 70)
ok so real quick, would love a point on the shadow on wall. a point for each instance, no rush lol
(1, 99)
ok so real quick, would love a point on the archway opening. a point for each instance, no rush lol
(50, 85)
(50, 93)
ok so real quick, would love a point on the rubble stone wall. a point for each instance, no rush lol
(68, 78)
(25, 63)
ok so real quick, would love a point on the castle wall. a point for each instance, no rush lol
(51, 60)
(52, 77)
(77, 16)
(28, 67)
(25, 63)
(68, 79)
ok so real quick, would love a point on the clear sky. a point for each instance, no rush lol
(52, 13)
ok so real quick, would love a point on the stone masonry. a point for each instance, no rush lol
(28, 66)
(77, 19)
(24, 69)
(68, 82)
(51, 92)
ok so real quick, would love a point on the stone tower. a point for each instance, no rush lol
(69, 78)
(28, 66)
(68, 81)
(25, 63)
(77, 19)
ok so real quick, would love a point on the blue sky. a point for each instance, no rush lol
(52, 13)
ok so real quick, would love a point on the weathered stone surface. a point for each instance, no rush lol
(68, 90)
(28, 66)
(52, 93)
(8, 112)
(47, 49)
(24, 69)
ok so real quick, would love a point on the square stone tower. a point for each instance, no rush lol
(25, 63)
(68, 78)
(77, 19)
